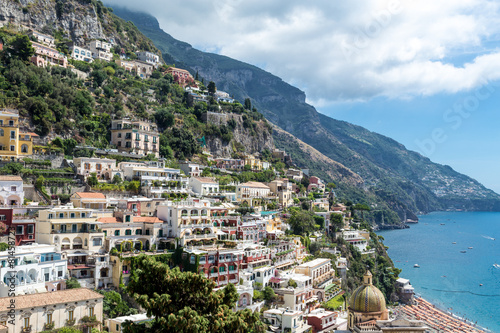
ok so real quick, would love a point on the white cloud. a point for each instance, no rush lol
(346, 50)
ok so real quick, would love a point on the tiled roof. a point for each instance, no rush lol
(205, 180)
(147, 219)
(10, 178)
(254, 184)
(91, 195)
(50, 298)
(108, 220)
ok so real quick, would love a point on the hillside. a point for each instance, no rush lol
(406, 180)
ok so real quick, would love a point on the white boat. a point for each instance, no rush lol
(470, 247)
(463, 251)
(496, 265)
(454, 243)
(416, 266)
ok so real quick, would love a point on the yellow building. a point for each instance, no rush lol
(13, 143)
(254, 163)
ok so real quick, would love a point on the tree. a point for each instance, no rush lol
(116, 179)
(69, 146)
(20, 48)
(268, 294)
(248, 104)
(337, 221)
(319, 220)
(302, 222)
(211, 88)
(73, 283)
(114, 306)
(92, 180)
(185, 301)
(4, 246)
(164, 118)
(134, 186)
(314, 248)
(331, 186)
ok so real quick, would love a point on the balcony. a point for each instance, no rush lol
(234, 281)
(223, 273)
(214, 274)
(222, 282)
(202, 236)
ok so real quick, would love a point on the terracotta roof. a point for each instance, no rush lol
(206, 180)
(147, 219)
(108, 220)
(50, 298)
(254, 184)
(91, 195)
(10, 178)
(29, 133)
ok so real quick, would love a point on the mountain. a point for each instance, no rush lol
(407, 181)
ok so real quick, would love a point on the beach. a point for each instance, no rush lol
(436, 319)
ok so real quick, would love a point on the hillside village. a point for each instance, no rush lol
(79, 215)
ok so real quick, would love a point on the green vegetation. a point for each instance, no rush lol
(73, 283)
(185, 302)
(335, 303)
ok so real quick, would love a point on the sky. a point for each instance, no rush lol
(425, 73)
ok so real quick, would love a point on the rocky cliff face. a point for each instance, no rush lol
(79, 20)
(244, 139)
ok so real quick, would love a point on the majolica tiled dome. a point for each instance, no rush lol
(367, 298)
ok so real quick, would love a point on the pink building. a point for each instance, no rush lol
(315, 183)
(322, 320)
(181, 76)
(45, 55)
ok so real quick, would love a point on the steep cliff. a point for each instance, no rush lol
(245, 139)
(76, 20)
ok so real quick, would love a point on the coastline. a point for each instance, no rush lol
(438, 318)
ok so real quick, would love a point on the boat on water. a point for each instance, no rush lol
(454, 243)
(470, 247)
(463, 251)
(416, 266)
(442, 224)
(496, 265)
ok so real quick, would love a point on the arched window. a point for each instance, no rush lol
(24, 148)
(1, 132)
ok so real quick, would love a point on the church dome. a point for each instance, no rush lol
(367, 298)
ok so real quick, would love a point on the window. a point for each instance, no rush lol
(1, 132)
(61, 215)
(12, 148)
(97, 241)
(119, 135)
(128, 145)
(117, 328)
(83, 215)
(12, 134)
(137, 136)
(127, 218)
(117, 232)
(31, 228)
(128, 232)
(72, 215)
(26, 322)
(119, 144)
(19, 230)
(51, 216)
(24, 148)
(128, 136)
(3, 218)
(91, 311)
(71, 313)
(138, 232)
(49, 318)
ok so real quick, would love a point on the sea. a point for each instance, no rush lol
(457, 253)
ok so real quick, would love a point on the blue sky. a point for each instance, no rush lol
(423, 72)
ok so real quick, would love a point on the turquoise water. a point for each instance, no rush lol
(447, 277)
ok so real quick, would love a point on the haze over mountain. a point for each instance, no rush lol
(409, 182)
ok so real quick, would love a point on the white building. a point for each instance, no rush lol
(188, 220)
(81, 53)
(87, 165)
(204, 185)
(252, 190)
(39, 312)
(191, 169)
(11, 191)
(101, 50)
(286, 320)
(38, 268)
(114, 325)
(77, 234)
(148, 57)
(355, 238)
